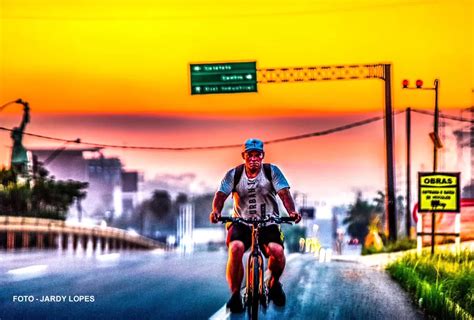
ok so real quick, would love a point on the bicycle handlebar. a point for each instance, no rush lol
(278, 220)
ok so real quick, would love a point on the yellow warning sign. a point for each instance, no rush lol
(438, 192)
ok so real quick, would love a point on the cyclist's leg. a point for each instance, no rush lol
(238, 241)
(235, 267)
(276, 261)
(272, 241)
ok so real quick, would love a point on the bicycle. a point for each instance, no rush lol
(256, 291)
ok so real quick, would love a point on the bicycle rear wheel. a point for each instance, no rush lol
(254, 300)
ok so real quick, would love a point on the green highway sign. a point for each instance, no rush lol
(228, 77)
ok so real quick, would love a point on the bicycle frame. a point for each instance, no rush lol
(256, 292)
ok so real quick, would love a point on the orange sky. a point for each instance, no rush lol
(133, 56)
(72, 59)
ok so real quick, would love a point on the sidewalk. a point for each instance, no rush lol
(380, 260)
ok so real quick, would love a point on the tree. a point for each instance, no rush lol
(7, 177)
(202, 208)
(181, 198)
(44, 198)
(359, 217)
(160, 209)
(379, 201)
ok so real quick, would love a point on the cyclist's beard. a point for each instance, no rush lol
(253, 167)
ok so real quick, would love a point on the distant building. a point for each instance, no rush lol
(105, 181)
(111, 192)
(130, 191)
(65, 164)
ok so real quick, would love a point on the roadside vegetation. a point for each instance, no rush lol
(399, 245)
(365, 221)
(42, 197)
(442, 284)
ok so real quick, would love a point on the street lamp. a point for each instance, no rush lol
(19, 101)
(437, 144)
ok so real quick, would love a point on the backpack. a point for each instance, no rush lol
(239, 170)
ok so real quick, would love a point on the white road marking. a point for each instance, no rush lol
(108, 260)
(108, 257)
(28, 272)
(222, 314)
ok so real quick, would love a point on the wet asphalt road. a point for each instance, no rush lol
(169, 286)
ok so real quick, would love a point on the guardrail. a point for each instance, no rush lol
(38, 233)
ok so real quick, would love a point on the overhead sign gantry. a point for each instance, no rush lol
(324, 73)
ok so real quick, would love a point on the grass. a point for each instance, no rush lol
(400, 245)
(443, 284)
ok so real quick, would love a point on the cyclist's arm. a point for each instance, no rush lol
(217, 205)
(218, 202)
(289, 203)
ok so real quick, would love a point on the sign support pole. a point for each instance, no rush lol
(433, 221)
(419, 230)
(435, 161)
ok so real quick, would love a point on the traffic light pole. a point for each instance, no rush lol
(436, 145)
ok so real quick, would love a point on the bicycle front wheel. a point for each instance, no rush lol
(255, 289)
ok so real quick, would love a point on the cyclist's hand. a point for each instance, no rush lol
(296, 216)
(214, 216)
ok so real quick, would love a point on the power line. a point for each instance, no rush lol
(329, 131)
(279, 140)
(291, 138)
(445, 116)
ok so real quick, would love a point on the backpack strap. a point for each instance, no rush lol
(237, 175)
(267, 170)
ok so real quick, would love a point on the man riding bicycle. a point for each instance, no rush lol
(254, 184)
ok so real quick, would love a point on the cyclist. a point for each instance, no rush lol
(254, 184)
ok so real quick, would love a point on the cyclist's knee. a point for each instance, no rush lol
(236, 249)
(276, 251)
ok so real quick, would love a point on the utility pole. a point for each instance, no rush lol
(391, 198)
(408, 209)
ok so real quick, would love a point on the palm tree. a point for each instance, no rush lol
(359, 217)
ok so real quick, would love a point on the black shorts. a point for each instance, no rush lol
(242, 232)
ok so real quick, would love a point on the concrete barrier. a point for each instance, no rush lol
(38, 233)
